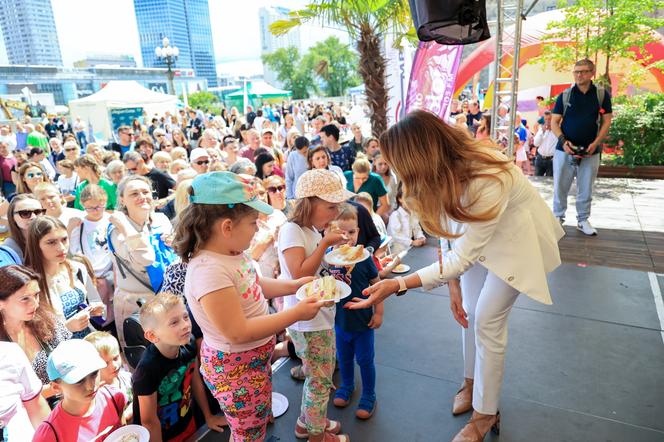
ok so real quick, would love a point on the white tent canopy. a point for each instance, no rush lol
(96, 108)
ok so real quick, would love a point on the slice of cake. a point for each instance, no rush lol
(323, 288)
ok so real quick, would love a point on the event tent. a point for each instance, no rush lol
(257, 93)
(118, 102)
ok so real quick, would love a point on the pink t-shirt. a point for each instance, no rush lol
(104, 419)
(208, 272)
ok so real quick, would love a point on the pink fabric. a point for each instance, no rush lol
(242, 383)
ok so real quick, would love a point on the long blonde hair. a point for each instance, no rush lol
(436, 164)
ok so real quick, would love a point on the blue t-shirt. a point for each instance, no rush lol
(343, 158)
(358, 280)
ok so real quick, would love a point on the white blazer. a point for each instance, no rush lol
(520, 245)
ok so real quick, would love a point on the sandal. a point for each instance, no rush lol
(342, 397)
(365, 409)
(297, 373)
(332, 427)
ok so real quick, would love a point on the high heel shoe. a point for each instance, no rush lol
(463, 401)
(471, 432)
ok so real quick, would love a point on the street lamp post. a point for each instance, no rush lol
(169, 54)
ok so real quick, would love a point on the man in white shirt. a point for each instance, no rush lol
(545, 141)
(8, 137)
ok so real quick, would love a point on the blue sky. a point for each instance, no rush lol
(109, 26)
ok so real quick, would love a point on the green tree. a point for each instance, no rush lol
(602, 30)
(367, 22)
(334, 63)
(293, 72)
(206, 101)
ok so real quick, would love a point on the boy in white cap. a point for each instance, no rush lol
(87, 411)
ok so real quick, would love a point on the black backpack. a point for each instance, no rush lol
(134, 335)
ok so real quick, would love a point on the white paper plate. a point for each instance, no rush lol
(336, 259)
(279, 404)
(401, 268)
(343, 290)
(141, 432)
(386, 241)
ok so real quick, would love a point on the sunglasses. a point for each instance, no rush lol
(34, 175)
(275, 189)
(27, 214)
(202, 163)
(70, 149)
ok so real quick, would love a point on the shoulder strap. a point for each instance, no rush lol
(55, 433)
(600, 100)
(567, 93)
(80, 238)
(115, 405)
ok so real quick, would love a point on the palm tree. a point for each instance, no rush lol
(367, 22)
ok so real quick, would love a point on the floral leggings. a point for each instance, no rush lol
(317, 350)
(242, 383)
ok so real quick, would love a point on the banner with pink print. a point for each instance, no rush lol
(432, 77)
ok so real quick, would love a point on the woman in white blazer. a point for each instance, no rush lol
(502, 240)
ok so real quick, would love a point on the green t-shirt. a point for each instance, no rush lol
(110, 189)
(37, 139)
(374, 186)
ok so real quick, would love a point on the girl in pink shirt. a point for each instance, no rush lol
(228, 299)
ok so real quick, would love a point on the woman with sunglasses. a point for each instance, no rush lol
(23, 209)
(66, 285)
(89, 171)
(29, 175)
(29, 321)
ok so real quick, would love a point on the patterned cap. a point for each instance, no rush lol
(324, 184)
(227, 188)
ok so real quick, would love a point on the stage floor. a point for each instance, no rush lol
(588, 368)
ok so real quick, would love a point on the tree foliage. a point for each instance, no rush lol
(295, 73)
(206, 101)
(335, 64)
(367, 22)
(602, 30)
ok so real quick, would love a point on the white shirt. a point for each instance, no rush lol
(546, 142)
(291, 235)
(10, 139)
(18, 383)
(403, 227)
(67, 185)
(89, 239)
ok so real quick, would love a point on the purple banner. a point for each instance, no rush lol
(432, 77)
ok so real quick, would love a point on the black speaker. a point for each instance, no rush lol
(450, 22)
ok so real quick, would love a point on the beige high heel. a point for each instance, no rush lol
(463, 401)
(472, 433)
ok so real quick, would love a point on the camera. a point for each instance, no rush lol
(580, 150)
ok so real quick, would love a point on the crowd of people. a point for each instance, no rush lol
(153, 279)
(103, 236)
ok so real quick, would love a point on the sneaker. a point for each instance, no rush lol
(561, 220)
(586, 228)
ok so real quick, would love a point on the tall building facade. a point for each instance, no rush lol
(29, 32)
(271, 42)
(186, 23)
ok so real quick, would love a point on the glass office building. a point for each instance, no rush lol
(29, 32)
(186, 23)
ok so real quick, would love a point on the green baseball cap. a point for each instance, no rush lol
(227, 188)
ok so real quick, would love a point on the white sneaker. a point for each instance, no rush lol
(586, 228)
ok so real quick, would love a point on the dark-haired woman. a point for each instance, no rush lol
(65, 284)
(466, 191)
(28, 320)
(23, 209)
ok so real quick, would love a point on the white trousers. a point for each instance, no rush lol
(487, 300)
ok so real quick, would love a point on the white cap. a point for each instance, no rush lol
(197, 153)
(73, 360)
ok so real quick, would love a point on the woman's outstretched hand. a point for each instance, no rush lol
(376, 293)
(456, 303)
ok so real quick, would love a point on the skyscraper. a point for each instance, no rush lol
(271, 42)
(29, 31)
(187, 26)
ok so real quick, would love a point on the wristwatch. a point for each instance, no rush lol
(402, 286)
